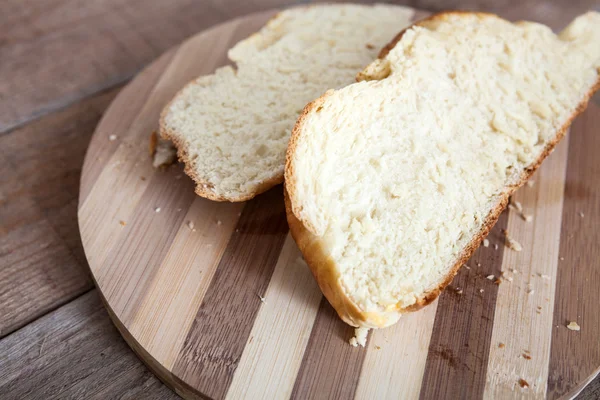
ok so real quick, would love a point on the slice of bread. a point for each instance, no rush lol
(232, 128)
(394, 181)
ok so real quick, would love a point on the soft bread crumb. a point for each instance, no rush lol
(490, 277)
(162, 151)
(157, 209)
(234, 125)
(112, 138)
(418, 187)
(360, 337)
(574, 326)
(486, 243)
(530, 183)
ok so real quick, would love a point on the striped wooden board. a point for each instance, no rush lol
(229, 310)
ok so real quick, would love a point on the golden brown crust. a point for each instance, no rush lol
(324, 268)
(203, 188)
(440, 16)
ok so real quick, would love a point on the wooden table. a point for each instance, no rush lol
(61, 64)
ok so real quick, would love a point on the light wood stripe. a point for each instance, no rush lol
(395, 361)
(122, 111)
(273, 353)
(102, 218)
(134, 260)
(172, 300)
(525, 330)
(216, 340)
(576, 355)
(331, 367)
(457, 360)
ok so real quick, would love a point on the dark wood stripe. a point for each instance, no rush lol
(168, 194)
(216, 340)
(331, 367)
(101, 149)
(460, 342)
(574, 356)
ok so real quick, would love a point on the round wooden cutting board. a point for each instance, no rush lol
(216, 299)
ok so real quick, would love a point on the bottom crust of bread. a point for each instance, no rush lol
(324, 268)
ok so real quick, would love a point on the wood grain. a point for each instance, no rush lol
(331, 367)
(43, 265)
(578, 275)
(280, 334)
(74, 352)
(460, 343)
(556, 13)
(523, 316)
(382, 376)
(57, 52)
(232, 301)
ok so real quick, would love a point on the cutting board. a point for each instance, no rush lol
(216, 300)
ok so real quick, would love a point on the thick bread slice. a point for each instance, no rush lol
(232, 128)
(394, 181)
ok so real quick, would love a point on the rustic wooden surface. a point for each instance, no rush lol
(62, 64)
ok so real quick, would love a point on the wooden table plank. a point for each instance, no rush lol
(57, 52)
(556, 13)
(74, 352)
(43, 265)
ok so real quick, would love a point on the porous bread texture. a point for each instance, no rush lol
(392, 182)
(232, 128)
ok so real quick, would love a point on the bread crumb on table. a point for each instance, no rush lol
(530, 183)
(495, 246)
(501, 345)
(157, 209)
(490, 277)
(510, 242)
(262, 299)
(581, 214)
(123, 223)
(574, 326)
(360, 337)
(190, 225)
(486, 243)
(112, 138)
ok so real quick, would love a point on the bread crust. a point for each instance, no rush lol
(203, 188)
(324, 269)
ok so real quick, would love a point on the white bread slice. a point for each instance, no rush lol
(232, 128)
(393, 182)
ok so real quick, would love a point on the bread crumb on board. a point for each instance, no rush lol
(123, 223)
(112, 138)
(510, 242)
(530, 183)
(574, 326)
(486, 243)
(360, 337)
(162, 151)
